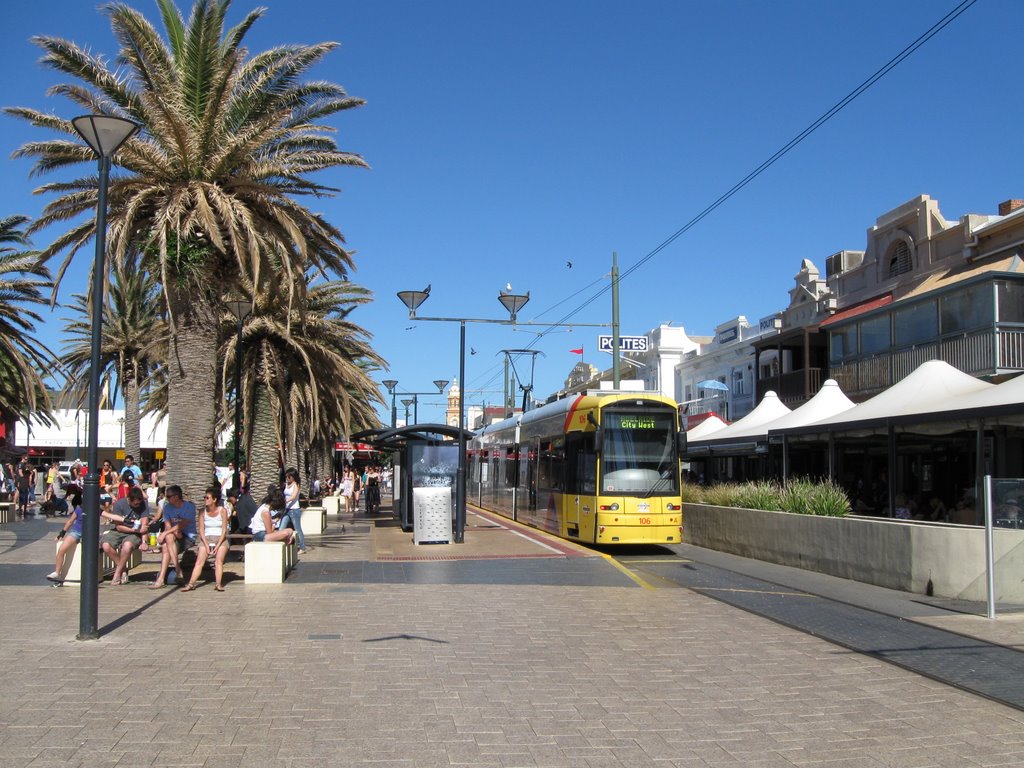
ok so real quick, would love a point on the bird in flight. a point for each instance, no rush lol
(568, 264)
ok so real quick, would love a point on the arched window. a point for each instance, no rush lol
(900, 261)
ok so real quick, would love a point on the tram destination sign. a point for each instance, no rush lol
(626, 343)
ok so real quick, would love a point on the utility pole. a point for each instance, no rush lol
(615, 320)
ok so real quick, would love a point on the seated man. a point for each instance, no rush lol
(179, 533)
(242, 509)
(130, 516)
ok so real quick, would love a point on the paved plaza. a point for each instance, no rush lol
(509, 650)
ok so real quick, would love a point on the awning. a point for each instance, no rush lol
(857, 309)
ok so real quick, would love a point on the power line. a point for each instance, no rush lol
(788, 146)
(881, 72)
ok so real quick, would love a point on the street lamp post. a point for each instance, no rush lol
(513, 302)
(391, 384)
(241, 309)
(407, 402)
(104, 134)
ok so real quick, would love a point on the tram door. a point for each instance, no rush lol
(581, 485)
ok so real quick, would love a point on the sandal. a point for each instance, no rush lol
(157, 585)
(218, 588)
(190, 587)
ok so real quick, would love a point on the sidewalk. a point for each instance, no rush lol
(523, 657)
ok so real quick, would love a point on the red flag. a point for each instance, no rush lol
(577, 351)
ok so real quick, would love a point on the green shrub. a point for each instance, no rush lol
(800, 496)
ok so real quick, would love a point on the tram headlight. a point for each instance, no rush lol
(673, 507)
(610, 507)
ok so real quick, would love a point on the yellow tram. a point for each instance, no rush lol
(600, 468)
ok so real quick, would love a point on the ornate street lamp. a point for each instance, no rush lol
(104, 134)
(391, 384)
(513, 302)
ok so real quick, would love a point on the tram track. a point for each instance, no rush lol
(967, 663)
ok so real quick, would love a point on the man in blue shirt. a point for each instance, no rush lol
(131, 466)
(179, 533)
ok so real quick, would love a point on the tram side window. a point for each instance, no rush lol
(510, 467)
(551, 467)
(580, 464)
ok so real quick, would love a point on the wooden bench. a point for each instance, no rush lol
(268, 562)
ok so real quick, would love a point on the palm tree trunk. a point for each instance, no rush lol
(132, 417)
(263, 445)
(191, 410)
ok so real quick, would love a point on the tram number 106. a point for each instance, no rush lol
(644, 520)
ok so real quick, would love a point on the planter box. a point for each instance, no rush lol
(888, 553)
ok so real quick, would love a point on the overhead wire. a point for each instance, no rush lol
(785, 149)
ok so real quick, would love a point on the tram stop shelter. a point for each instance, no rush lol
(425, 459)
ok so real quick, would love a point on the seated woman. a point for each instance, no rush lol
(263, 526)
(212, 527)
(69, 537)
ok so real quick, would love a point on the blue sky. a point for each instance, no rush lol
(506, 139)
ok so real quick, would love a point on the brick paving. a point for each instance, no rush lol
(452, 671)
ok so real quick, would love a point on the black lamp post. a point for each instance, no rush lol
(104, 134)
(391, 384)
(241, 309)
(407, 402)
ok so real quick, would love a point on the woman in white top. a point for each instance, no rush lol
(347, 486)
(263, 527)
(212, 539)
(294, 510)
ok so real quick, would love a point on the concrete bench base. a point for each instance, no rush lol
(73, 565)
(331, 505)
(314, 521)
(6, 511)
(268, 562)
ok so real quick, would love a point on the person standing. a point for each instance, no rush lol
(348, 480)
(212, 529)
(24, 482)
(293, 509)
(372, 490)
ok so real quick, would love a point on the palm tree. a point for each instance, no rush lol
(210, 185)
(132, 345)
(23, 359)
(309, 373)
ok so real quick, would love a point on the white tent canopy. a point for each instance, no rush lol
(1008, 393)
(769, 409)
(707, 427)
(933, 387)
(830, 401)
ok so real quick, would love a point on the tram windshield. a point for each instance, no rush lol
(639, 453)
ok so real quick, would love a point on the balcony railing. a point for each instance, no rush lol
(793, 387)
(973, 353)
